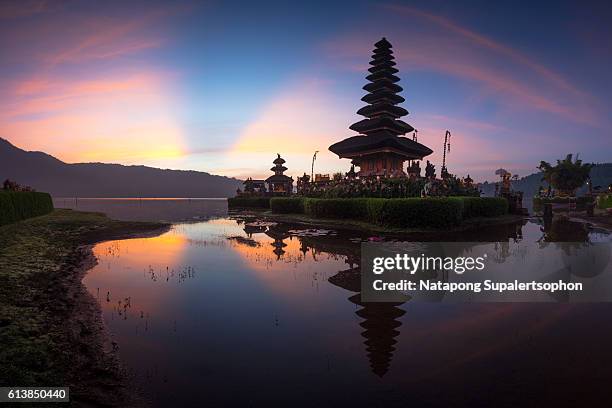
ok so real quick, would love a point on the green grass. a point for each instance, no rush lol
(47, 338)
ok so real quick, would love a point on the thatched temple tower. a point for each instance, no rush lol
(380, 150)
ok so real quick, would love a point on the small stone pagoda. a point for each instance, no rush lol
(279, 183)
(380, 150)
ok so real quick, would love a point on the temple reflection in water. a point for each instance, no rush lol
(380, 320)
(282, 302)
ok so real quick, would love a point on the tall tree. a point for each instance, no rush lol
(567, 175)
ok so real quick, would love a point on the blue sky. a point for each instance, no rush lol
(224, 86)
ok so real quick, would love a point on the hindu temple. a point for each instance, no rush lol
(380, 149)
(279, 183)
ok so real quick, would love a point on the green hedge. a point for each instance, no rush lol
(423, 212)
(396, 212)
(484, 207)
(604, 201)
(375, 210)
(19, 205)
(248, 202)
(287, 205)
(353, 208)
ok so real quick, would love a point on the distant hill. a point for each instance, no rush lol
(46, 173)
(601, 175)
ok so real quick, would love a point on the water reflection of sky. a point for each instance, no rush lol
(233, 312)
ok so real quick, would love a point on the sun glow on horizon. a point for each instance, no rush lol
(95, 120)
(151, 83)
(306, 116)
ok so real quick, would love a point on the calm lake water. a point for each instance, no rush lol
(225, 310)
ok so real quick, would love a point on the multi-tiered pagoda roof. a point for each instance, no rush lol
(279, 169)
(279, 183)
(380, 149)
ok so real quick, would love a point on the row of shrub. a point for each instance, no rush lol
(287, 205)
(248, 202)
(395, 212)
(484, 207)
(604, 201)
(17, 205)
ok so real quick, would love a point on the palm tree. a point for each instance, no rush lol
(566, 176)
(547, 171)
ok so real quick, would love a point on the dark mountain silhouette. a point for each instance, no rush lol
(601, 175)
(46, 173)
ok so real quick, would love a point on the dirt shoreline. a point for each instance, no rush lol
(51, 327)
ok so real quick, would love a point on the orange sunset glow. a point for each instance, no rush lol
(152, 84)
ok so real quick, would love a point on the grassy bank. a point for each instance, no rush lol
(51, 330)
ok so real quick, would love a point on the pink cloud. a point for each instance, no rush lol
(66, 102)
(69, 37)
(102, 38)
(510, 78)
(94, 119)
(10, 9)
(491, 44)
(39, 95)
